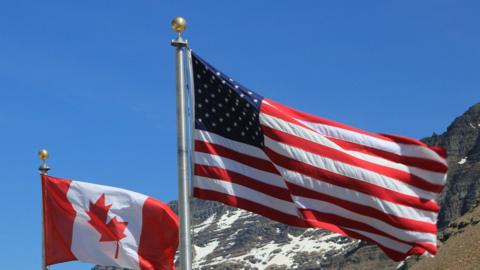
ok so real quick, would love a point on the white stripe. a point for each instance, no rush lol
(304, 133)
(245, 193)
(241, 168)
(370, 141)
(347, 170)
(209, 137)
(328, 208)
(357, 197)
(296, 130)
(429, 176)
(385, 241)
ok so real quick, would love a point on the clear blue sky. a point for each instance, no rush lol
(93, 81)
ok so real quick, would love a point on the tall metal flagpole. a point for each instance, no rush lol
(43, 155)
(178, 25)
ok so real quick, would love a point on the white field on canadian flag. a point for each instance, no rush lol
(125, 206)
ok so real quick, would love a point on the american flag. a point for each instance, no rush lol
(296, 168)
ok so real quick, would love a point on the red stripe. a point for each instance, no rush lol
(346, 224)
(422, 163)
(280, 110)
(240, 179)
(284, 112)
(58, 216)
(331, 153)
(441, 151)
(159, 236)
(223, 151)
(393, 254)
(352, 183)
(399, 222)
(249, 206)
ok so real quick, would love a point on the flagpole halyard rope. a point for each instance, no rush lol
(178, 25)
(43, 156)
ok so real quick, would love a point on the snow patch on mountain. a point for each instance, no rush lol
(229, 218)
(202, 252)
(202, 226)
(274, 253)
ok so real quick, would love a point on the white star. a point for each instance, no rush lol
(198, 76)
(212, 95)
(249, 92)
(207, 115)
(228, 129)
(219, 90)
(233, 109)
(205, 86)
(206, 100)
(223, 81)
(199, 90)
(213, 77)
(226, 99)
(230, 79)
(255, 100)
(227, 114)
(218, 73)
(199, 119)
(213, 110)
(236, 86)
(220, 105)
(234, 124)
(243, 133)
(221, 119)
(213, 124)
(242, 95)
(248, 105)
(199, 105)
(196, 62)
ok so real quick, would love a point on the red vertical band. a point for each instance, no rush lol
(159, 238)
(58, 217)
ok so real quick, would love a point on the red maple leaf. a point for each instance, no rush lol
(111, 231)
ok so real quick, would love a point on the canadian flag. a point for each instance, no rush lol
(107, 226)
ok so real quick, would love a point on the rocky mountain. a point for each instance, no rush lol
(229, 238)
(462, 139)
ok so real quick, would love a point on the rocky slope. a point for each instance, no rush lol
(228, 238)
(459, 245)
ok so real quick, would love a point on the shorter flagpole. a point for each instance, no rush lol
(43, 155)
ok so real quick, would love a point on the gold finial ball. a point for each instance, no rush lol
(43, 154)
(179, 24)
